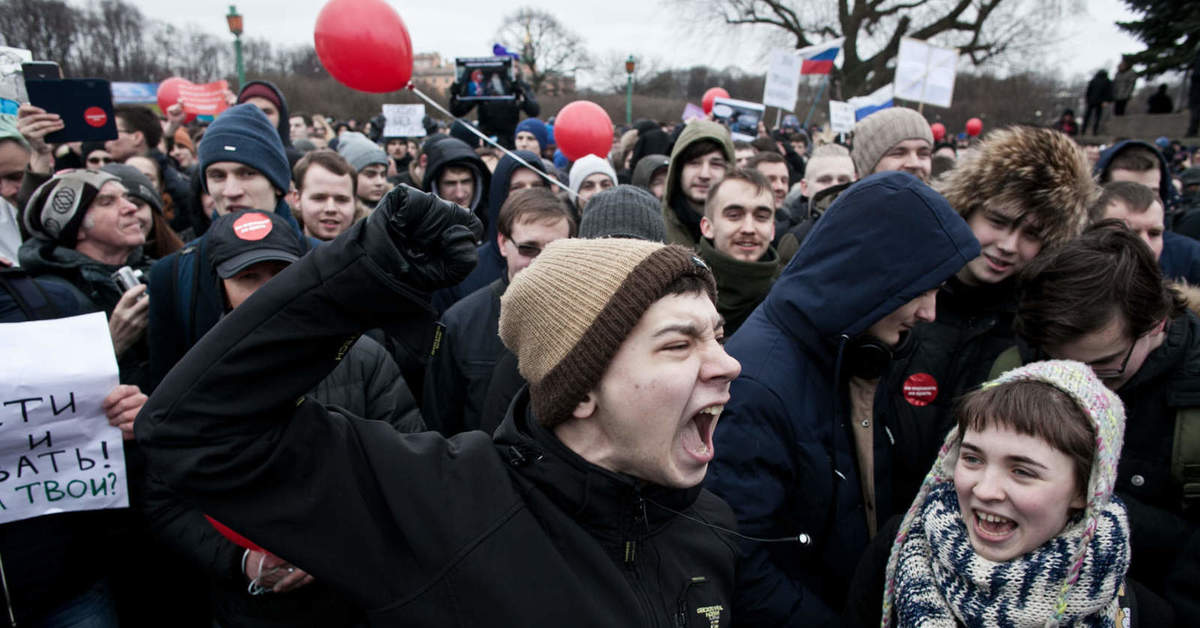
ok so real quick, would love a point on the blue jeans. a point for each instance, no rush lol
(92, 609)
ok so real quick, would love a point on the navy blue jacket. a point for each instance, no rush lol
(785, 458)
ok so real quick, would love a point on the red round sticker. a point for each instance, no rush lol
(252, 227)
(920, 389)
(95, 116)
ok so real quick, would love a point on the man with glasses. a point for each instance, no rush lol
(1101, 300)
(456, 380)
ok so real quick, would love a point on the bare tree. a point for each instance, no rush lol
(47, 28)
(609, 71)
(980, 29)
(547, 47)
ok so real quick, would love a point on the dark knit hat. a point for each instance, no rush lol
(623, 212)
(136, 184)
(243, 238)
(260, 90)
(244, 134)
(878, 132)
(537, 128)
(58, 206)
(359, 151)
(567, 314)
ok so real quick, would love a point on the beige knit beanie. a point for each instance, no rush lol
(566, 315)
(878, 132)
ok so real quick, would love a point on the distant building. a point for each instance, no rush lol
(432, 73)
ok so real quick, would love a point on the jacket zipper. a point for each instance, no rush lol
(631, 566)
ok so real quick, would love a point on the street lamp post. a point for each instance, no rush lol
(629, 63)
(235, 26)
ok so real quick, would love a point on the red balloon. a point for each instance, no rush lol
(939, 131)
(364, 45)
(974, 127)
(583, 128)
(712, 94)
(168, 92)
(237, 539)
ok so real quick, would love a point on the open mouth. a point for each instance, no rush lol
(996, 265)
(994, 528)
(697, 435)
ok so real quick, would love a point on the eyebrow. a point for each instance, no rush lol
(1018, 459)
(689, 329)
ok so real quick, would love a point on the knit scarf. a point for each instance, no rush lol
(941, 581)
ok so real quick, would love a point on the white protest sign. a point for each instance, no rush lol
(783, 80)
(57, 451)
(12, 79)
(841, 116)
(925, 73)
(404, 120)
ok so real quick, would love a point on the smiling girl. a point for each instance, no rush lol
(1016, 524)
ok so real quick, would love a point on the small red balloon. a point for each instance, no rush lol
(364, 45)
(939, 131)
(583, 128)
(168, 92)
(974, 127)
(712, 94)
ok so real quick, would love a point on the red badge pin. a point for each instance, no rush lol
(920, 389)
(252, 227)
(95, 116)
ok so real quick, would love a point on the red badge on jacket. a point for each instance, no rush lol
(920, 389)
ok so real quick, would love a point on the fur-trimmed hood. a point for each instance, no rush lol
(1042, 170)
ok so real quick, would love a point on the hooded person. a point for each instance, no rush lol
(702, 154)
(454, 172)
(491, 264)
(803, 452)
(1023, 191)
(405, 522)
(650, 174)
(589, 174)
(1142, 162)
(267, 97)
(242, 166)
(14, 161)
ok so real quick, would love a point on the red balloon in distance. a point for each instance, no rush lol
(939, 131)
(712, 94)
(583, 128)
(974, 127)
(364, 45)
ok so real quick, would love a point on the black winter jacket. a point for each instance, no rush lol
(457, 378)
(417, 529)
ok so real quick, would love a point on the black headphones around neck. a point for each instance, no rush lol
(866, 357)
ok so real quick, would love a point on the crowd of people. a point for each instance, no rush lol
(805, 380)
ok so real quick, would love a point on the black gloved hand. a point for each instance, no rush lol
(436, 238)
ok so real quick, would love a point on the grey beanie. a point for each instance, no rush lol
(623, 212)
(58, 206)
(875, 134)
(136, 184)
(360, 151)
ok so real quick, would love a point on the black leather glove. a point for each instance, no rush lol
(436, 238)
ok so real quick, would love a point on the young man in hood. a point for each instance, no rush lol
(1141, 162)
(1022, 191)
(370, 168)
(803, 456)
(454, 172)
(242, 166)
(267, 97)
(588, 494)
(1102, 300)
(702, 155)
(738, 226)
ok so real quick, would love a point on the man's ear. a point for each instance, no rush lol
(706, 227)
(585, 409)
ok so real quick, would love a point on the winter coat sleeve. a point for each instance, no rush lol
(445, 393)
(755, 473)
(167, 343)
(185, 530)
(351, 501)
(387, 395)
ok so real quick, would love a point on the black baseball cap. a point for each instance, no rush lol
(241, 239)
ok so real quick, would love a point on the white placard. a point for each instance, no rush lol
(740, 116)
(925, 73)
(404, 120)
(12, 79)
(783, 80)
(57, 451)
(841, 116)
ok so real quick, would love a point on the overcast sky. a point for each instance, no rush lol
(1088, 41)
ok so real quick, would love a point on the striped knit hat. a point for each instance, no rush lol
(1107, 413)
(566, 315)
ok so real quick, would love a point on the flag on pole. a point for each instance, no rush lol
(818, 58)
(869, 104)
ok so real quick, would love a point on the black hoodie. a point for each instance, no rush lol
(451, 151)
(419, 530)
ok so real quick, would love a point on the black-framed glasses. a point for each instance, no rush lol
(529, 250)
(1117, 372)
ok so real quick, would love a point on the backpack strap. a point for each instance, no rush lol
(28, 295)
(1185, 455)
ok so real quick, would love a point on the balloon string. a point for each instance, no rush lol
(489, 140)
